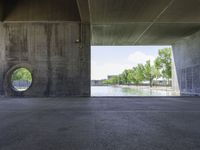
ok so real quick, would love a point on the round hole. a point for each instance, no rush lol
(21, 79)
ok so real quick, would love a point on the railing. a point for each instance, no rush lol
(21, 85)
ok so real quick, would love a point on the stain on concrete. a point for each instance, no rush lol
(48, 32)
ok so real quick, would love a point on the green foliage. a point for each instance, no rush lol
(148, 72)
(137, 75)
(124, 77)
(164, 62)
(21, 74)
(113, 80)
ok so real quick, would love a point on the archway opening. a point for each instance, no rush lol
(21, 79)
(132, 71)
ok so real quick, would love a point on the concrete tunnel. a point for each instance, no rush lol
(52, 38)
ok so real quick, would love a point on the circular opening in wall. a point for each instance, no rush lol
(21, 79)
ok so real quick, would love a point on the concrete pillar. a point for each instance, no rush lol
(2, 58)
(186, 56)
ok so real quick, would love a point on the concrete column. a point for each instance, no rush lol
(2, 10)
(2, 58)
(186, 55)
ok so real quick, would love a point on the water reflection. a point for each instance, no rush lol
(129, 91)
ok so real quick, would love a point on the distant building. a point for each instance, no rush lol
(162, 82)
(97, 82)
(112, 76)
(159, 82)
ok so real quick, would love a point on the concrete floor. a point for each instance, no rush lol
(100, 124)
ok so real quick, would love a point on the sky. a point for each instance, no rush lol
(113, 60)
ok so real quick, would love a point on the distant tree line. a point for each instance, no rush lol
(161, 68)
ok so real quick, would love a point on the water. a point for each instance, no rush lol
(129, 91)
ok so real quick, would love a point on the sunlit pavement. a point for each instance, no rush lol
(100, 124)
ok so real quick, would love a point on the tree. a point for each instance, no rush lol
(138, 73)
(156, 71)
(113, 80)
(21, 74)
(164, 62)
(131, 76)
(150, 72)
(125, 76)
(161, 68)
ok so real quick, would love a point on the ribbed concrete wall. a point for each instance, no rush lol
(60, 66)
(186, 56)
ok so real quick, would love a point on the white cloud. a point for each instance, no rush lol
(101, 71)
(140, 58)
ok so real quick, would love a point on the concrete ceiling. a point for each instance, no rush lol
(143, 22)
(114, 22)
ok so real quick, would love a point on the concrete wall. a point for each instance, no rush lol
(59, 64)
(186, 56)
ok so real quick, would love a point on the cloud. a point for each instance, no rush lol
(101, 71)
(140, 58)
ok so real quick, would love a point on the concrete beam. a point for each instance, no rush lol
(41, 10)
(83, 7)
(1, 10)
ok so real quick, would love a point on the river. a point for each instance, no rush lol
(130, 91)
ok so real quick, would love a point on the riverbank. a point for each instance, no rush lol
(163, 88)
(125, 90)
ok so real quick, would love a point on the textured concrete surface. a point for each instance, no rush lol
(100, 124)
(41, 10)
(143, 22)
(114, 22)
(52, 40)
(187, 63)
(60, 66)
